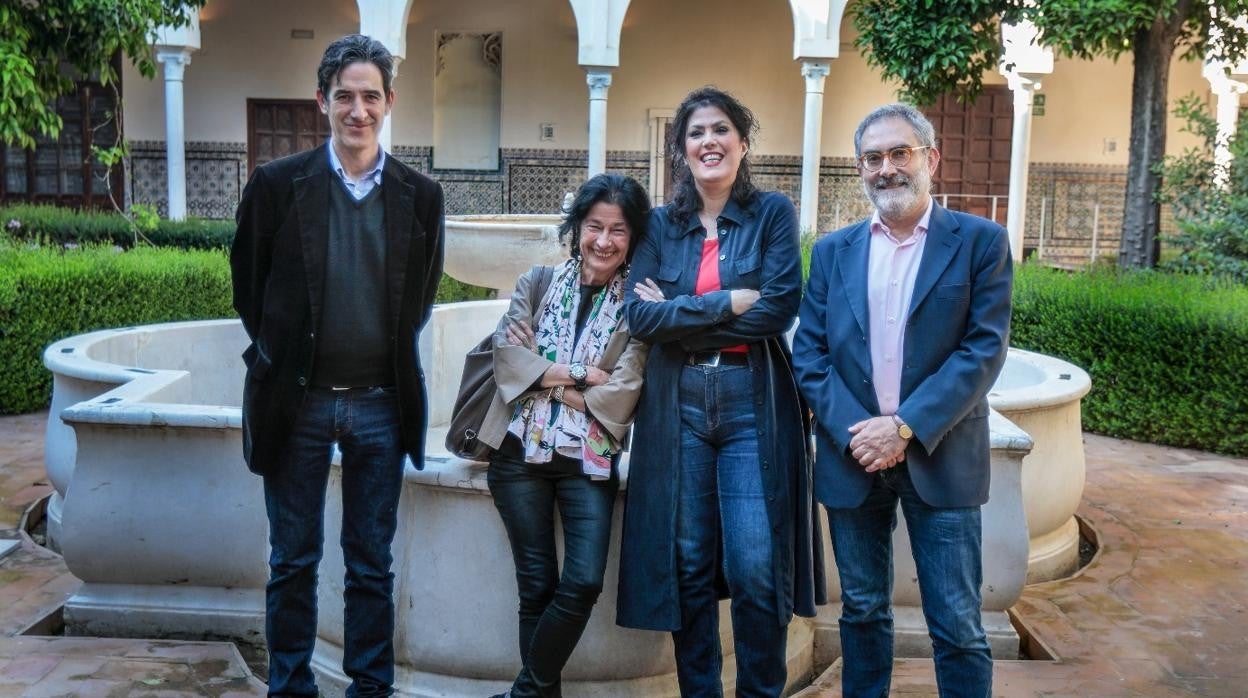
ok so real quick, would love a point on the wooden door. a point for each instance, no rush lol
(974, 142)
(280, 127)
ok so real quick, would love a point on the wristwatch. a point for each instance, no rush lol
(903, 429)
(578, 373)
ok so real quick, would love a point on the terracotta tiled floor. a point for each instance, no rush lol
(1161, 611)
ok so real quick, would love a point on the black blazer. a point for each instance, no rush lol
(278, 265)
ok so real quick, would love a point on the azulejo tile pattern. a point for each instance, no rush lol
(215, 176)
(1073, 210)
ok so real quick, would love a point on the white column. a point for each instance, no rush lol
(599, 81)
(1020, 159)
(1228, 91)
(1023, 63)
(175, 60)
(384, 137)
(814, 72)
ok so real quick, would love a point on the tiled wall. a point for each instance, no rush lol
(1075, 199)
(215, 176)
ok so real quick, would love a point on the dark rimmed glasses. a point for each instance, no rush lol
(899, 157)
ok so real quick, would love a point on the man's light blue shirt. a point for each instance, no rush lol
(361, 187)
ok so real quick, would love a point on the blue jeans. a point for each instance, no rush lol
(722, 518)
(946, 545)
(554, 608)
(365, 424)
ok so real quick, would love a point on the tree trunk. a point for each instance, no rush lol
(1153, 48)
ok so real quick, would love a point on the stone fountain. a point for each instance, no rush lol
(158, 516)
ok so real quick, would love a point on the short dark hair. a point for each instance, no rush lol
(923, 129)
(354, 48)
(608, 188)
(686, 201)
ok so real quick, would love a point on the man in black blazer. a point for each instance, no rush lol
(336, 262)
(904, 327)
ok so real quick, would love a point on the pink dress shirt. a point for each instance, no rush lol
(891, 270)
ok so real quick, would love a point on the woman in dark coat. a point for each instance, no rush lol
(719, 482)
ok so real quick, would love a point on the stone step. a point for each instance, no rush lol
(81, 666)
(34, 585)
(1011, 679)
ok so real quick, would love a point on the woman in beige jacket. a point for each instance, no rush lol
(568, 378)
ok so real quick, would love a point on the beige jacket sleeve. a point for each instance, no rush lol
(516, 369)
(613, 403)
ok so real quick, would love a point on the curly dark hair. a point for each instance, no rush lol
(686, 202)
(354, 48)
(609, 188)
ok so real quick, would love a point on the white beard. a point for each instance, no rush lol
(894, 203)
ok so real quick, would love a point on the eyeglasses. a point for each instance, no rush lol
(899, 157)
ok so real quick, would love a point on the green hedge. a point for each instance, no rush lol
(63, 226)
(47, 293)
(1168, 354)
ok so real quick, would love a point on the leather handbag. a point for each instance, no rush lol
(477, 388)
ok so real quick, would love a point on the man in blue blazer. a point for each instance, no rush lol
(904, 328)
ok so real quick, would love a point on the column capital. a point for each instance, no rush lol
(175, 59)
(599, 80)
(815, 69)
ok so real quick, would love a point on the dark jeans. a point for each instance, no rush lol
(946, 543)
(723, 510)
(365, 424)
(554, 608)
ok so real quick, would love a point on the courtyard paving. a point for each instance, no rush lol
(1162, 610)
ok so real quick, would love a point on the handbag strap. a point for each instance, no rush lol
(545, 274)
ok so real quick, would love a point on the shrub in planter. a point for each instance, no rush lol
(1168, 353)
(63, 226)
(47, 294)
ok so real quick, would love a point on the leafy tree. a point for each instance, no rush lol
(45, 45)
(934, 47)
(1210, 201)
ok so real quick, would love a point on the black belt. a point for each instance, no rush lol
(718, 358)
(344, 388)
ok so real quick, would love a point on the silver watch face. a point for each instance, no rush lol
(578, 372)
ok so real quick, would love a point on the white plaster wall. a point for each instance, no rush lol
(467, 101)
(246, 52)
(667, 48)
(1088, 102)
(541, 80)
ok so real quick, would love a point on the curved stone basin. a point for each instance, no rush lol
(493, 251)
(1041, 394)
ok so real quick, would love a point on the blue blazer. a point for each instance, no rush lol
(957, 333)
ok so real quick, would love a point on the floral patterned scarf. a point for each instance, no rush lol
(542, 429)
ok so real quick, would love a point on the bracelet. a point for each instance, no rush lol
(557, 393)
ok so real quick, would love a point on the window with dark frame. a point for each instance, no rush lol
(62, 170)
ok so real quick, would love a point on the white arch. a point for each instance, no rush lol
(817, 28)
(598, 26)
(386, 21)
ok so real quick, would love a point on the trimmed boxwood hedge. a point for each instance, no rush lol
(63, 226)
(48, 293)
(1168, 354)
